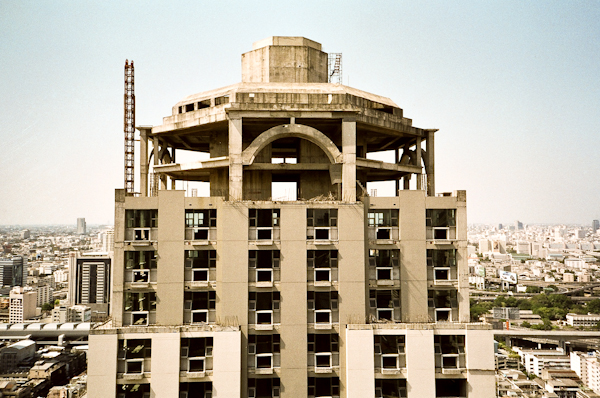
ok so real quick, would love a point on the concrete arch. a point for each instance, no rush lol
(292, 130)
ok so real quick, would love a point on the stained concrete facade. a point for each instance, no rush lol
(306, 292)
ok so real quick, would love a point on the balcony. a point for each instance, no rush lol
(264, 320)
(196, 368)
(322, 320)
(322, 277)
(263, 363)
(141, 236)
(200, 236)
(323, 362)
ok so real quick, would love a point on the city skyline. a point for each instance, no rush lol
(512, 87)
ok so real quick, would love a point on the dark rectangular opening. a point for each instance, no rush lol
(189, 107)
(383, 233)
(204, 104)
(201, 234)
(196, 365)
(264, 234)
(321, 233)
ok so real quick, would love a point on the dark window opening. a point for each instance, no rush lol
(450, 388)
(189, 107)
(204, 104)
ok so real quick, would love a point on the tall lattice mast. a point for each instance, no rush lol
(334, 67)
(129, 128)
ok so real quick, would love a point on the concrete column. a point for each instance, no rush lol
(360, 364)
(226, 378)
(479, 346)
(397, 161)
(165, 363)
(144, 161)
(430, 163)
(418, 163)
(235, 160)
(102, 368)
(349, 157)
(420, 364)
(407, 181)
(156, 154)
(171, 230)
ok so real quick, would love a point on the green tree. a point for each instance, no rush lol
(533, 289)
(526, 324)
(47, 307)
(594, 306)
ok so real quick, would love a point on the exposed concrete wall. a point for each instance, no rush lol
(480, 363)
(349, 154)
(360, 365)
(235, 160)
(420, 360)
(293, 300)
(413, 260)
(170, 269)
(102, 366)
(226, 365)
(290, 60)
(165, 364)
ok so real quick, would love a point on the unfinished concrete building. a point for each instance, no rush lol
(328, 293)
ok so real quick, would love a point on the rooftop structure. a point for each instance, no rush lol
(329, 293)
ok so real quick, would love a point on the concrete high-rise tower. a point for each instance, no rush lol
(89, 281)
(329, 293)
(81, 227)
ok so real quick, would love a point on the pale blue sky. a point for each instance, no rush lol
(513, 87)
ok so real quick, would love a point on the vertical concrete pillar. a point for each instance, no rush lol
(479, 346)
(144, 161)
(360, 364)
(349, 158)
(418, 163)
(397, 161)
(420, 364)
(430, 163)
(235, 160)
(171, 230)
(227, 369)
(165, 363)
(156, 154)
(102, 366)
(407, 181)
(293, 302)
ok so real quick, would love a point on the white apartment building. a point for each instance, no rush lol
(587, 367)
(535, 361)
(582, 320)
(22, 304)
(329, 293)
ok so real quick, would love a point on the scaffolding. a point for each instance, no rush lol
(334, 67)
(129, 126)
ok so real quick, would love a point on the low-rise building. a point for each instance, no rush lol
(582, 320)
(13, 354)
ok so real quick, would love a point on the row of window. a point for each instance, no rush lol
(264, 265)
(200, 307)
(441, 223)
(317, 387)
(134, 358)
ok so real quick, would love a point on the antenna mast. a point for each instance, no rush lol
(334, 66)
(129, 128)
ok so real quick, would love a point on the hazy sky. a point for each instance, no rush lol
(513, 86)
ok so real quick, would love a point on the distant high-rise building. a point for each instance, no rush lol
(108, 240)
(499, 226)
(518, 225)
(22, 304)
(595, 225)
(13, 271)
(25, 234)
(81, 230)
(89, 280)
